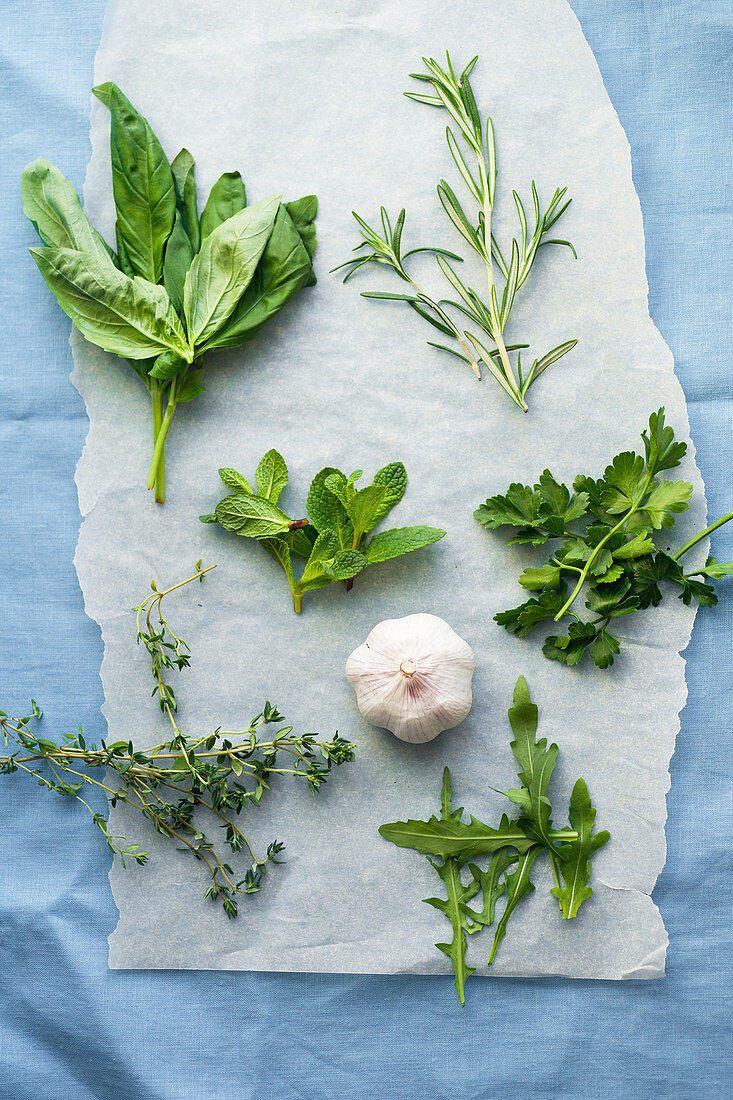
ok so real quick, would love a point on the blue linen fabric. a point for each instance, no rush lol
(70, 1028)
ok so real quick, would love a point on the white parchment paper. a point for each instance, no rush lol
(306, 97)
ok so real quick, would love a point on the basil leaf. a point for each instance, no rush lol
(182, 167)
(224, 267)
(142, 183)
(179, 254)
(284, 269)
(167, 365)
(303, 213)
(129, 317)
(226, 198)
(50, 201)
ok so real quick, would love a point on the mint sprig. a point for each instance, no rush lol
(335, 542)
(514, 845)
(603, 546)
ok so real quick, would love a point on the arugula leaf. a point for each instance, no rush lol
(51, 203)
(518, 885)
(142, 183)
(129, 317)
(226, 198)
(271, 476)
(466, 839)
(224, 266)
(455, 906)
(574, 859)
(536, 761)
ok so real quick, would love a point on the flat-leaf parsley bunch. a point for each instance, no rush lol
(603, 546)
(180, 284)
(185, 784)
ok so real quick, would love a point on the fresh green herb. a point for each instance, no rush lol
(513, 845)
(179, 783)
(605, 546)
(489, 315)
(333, 542)
(178, 285)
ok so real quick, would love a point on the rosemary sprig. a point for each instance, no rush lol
(490, 314)
(179, 783)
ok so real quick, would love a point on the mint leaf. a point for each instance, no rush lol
(364, 508)
(326, 511)
(271, 476)
(394, 478)
(400, 540)
(251, 516)
(235, 481)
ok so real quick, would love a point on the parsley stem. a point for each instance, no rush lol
(597, 548)
(703, 534)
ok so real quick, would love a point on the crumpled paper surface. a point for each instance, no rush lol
(307, 98)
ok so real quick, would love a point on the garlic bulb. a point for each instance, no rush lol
(413, 676)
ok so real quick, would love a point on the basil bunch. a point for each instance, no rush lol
(178, 285)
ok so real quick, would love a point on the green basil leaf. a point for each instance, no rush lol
(284, 269)
(192, 386)
(251, 516)
(167, 366)
(182, 167)
(129, 317)
(142, 183)
(303, 213)
(226, 198)
(51, 203)
(224, 267)
(178, 256)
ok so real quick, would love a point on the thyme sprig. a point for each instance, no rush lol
(180, 783)
(479, 172)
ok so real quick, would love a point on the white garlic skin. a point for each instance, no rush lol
(413, 677)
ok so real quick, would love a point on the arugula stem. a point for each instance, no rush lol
(703, 534)
(157, 465)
